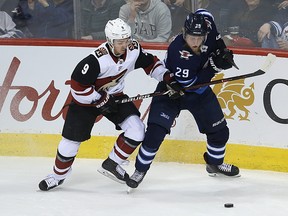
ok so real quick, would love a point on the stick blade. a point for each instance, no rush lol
(259, 72)
(270, 59)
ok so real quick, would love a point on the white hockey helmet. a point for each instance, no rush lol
(117, 29)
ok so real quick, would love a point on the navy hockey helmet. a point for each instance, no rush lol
(195, 24)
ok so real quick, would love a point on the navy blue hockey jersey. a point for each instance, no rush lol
(190, 69)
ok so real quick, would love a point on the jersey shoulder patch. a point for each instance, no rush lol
(133, 45)
(101, 51)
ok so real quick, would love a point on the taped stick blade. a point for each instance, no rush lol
(270, 59)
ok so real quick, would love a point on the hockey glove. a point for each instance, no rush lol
(106, 104)
(222, 60)
(176, 90)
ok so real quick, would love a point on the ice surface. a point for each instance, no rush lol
(168, 189)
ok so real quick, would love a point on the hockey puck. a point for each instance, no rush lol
(228, 205)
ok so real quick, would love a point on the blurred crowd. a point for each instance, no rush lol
(244, 23)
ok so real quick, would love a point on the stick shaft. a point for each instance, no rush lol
(141, 97)
(244, 76)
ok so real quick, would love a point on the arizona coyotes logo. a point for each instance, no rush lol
(106, 83)
(234, 98)
(185, 54)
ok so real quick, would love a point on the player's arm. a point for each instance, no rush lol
(156, 69)
(222, 58)
(83, 79)
(150, 64)
(83, 90)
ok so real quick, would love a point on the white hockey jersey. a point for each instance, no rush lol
(102, 71)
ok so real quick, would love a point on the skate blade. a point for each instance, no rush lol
(110, 175)
(222, 175)
(130, 190)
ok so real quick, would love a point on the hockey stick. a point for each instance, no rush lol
(264, 68)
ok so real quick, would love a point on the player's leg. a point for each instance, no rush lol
(77, 128)
(162, 113)
(127, 119)
(211, 121)
(214, 157)
(66, 154)
(154, 137)
(124, 146)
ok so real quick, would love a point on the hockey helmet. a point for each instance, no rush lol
(195, 24)
(117, 29)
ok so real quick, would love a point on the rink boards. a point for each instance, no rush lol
(34, 88)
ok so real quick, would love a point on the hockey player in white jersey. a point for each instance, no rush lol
(96, 82)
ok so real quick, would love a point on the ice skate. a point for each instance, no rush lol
(224, 169)
(135, 180)
(113, 171)
(49, 183)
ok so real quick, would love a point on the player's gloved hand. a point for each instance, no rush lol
(106, 103)
(222, 60)
(176, 90)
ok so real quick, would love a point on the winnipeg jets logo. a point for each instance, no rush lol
(204, 48)
(185, 54)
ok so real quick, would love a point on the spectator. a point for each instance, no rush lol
(21, 20)
(273, 34)
(95, 15)
(178, 14)
(47, 18)
(150, 20)
(220, 11)
(8, 27)
(249, 15)
(8, 6)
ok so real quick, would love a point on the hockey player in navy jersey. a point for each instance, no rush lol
(96, 82)
(193, 57)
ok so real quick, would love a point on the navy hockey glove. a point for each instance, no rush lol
(222, 60)
(176, 90)
(106, 104)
